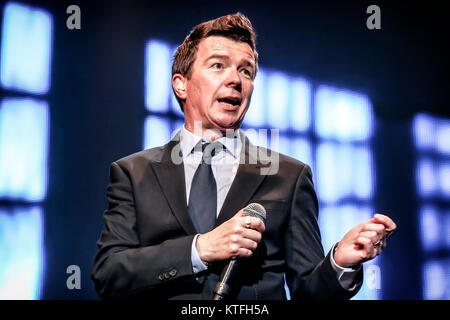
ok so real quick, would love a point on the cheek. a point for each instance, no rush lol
(247, 92)
(195, 95)
(207, 90)
(248, 89)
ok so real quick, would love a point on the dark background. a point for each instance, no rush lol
(97, 104)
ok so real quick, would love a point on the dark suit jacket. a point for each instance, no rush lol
(145, 246)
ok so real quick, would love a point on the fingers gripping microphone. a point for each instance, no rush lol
(229, 274)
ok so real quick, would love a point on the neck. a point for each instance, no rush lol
(208, 133)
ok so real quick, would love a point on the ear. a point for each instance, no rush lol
(179, 86)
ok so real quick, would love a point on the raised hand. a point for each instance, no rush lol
(364, 242)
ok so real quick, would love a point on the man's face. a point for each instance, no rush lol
(221, 84)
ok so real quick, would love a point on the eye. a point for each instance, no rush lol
(247, 72)
(217, 66)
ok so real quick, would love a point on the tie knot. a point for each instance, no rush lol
(209, 150)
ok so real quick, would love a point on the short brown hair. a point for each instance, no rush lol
(234, 26)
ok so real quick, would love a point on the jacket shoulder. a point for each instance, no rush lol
(140, 158)
(290, 161)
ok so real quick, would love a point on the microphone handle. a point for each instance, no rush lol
(223, 289)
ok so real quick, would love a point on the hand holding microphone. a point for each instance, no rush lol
(230, 273)
(237, 237)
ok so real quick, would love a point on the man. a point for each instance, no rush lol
(175, 213)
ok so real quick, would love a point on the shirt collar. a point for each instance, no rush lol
(189, 140)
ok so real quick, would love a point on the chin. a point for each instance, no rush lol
(226, 121)
(225, 126)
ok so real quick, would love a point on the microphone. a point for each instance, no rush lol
(224, 286)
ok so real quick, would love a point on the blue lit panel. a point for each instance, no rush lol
(23, 149)
(300, 118)
(26, 49)
(21, 253)
(446, 232)
(158, 76)
(301, 150)
(434, 228)
(255, 115)
(342, 115)
(431, 133)
(433, 178)
(432, 139)
(330, 229)
(335, 222)
(430, 228)
(443, 137)
(275, 141)
(444, 179)
(278, 101)
(156, 132)
(362, 173)
(330, 186)
(284, 145)
(423, 130)
(343, 170)
(436, 280)
(427, 181)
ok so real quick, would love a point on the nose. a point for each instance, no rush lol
(233, 79)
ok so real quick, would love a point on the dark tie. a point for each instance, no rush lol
(203, 196)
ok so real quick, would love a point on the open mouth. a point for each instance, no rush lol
(230, 101)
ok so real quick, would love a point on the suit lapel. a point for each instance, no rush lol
(170, 176)
(247, 180)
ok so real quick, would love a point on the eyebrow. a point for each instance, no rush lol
(225, 57)
(218, 56)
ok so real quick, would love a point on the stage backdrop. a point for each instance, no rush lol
(365, 108)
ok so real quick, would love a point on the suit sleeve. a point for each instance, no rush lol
(309, 274)
(122, 267)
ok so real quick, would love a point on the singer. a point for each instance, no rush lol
(176, 217)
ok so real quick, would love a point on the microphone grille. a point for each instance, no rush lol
(255, 210)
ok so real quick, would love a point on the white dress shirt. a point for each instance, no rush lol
(224, 166)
